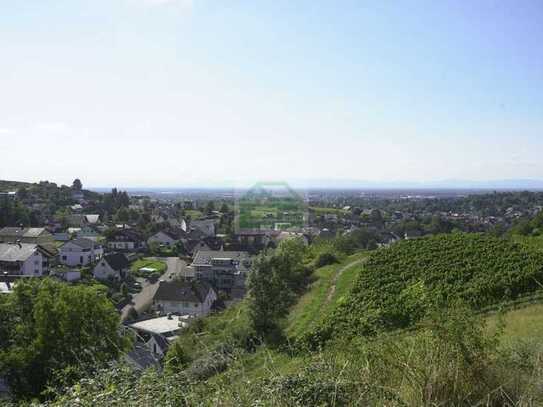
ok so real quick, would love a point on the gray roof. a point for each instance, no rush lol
(182, 291)
(83, 243)
(21, 232)
(34, 232)
(161, 342)
(117, 261)
(141, 357)
(16, 252)
(204, 257)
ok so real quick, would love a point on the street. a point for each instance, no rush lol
(143, 300)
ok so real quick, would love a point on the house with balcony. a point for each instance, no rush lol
(24, 259)
(225, 270)
(80, 252)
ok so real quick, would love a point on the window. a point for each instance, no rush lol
(64, 257)
(196, 305)
(186, 304)
(81, 259)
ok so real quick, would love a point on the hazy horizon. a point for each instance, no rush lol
(140, 93)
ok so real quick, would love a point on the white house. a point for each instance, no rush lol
(165, 238)
(80, 252)
(26, 259)
(184, 298)
(112, 267)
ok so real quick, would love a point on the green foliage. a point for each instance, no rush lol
(450, 360)
(55, 333)
(273, 285)
(176, 359)
(13, 213)
(325, 258)
(527, 227)
(400, 284)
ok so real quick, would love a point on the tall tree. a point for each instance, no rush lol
(55, 334)
(77, 185)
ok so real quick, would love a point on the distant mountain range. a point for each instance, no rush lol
(510, 184)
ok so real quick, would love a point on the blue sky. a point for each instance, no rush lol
(202, 92)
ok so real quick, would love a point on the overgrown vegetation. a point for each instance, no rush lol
(451, 360)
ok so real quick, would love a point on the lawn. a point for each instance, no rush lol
(158, 265)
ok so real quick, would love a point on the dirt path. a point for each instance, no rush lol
(332, 288)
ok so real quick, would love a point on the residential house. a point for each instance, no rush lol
(66, 273)
(76, 220)
(61, 236)
(88, 232)
(158, 345)
(206, 226)
(39, 236)
(178, 224)
(25, 259)
(80, 252)
(153, 337)
(126, 239)
(92, 219)
(141, 358)
(80, 220)
(253, 239)
(169, 326)
(224, 270)
(113, 266)
(166, 237)
(184, 297)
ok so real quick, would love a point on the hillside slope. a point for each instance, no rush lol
(400, 285)
(8, 186)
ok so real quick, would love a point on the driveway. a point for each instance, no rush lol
(142, 301)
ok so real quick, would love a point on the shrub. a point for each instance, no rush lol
(325, 259)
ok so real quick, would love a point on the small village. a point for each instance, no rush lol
(167, 263)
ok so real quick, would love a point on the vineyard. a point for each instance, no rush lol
(400, 285)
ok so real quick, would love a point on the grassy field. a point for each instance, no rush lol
(331, 284)
(255, 214)
(323, 211)
(194, 214)
(523, 323)
(158, 265)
